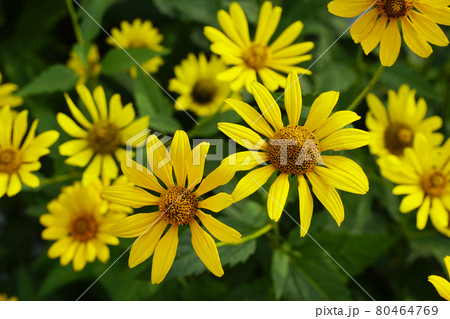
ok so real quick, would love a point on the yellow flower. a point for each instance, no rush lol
(85, 72)
(4, 297)
(100, 138)
(177, 204)
(423, 174)
(296, 150)
(18, 156)
(6, 96)
(77, 221)
(380, 25)
(139, 35)
(393, 130)
(197, 85)
(120, 181)
(257, 56)
(442, 285)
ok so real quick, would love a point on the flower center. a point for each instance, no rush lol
(9, 161)
(294, 150)
(104, 137)
(203, 91)
(434, 183)
(394, 8)
(83, 228)
(178, 205)
(256, 55)
(397, 137)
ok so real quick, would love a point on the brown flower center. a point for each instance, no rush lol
(434, 183)
(397, 137)
(394, 8)
(83, 227)
(256, 56)
(294, 150)
(10, 161)
(178, 205)
(104, 137)
(204, 91)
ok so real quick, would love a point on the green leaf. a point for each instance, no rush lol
(337, 77)
(56, 78)
(164, 124)
(117, 60)
(279, 271)
(96, 9)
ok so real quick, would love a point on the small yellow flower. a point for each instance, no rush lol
(101, 138)
(251, 57)
(120, 181)
(296, 150)
(18, 156)
(77, 220)
(393, 130)
(4, 297)
(139, 34)
(380, 25)
(423, 174)
(442, 285)
(85, 72)
(6, 96)
(197, 85)
(177, 204)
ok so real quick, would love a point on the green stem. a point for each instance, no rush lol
(74, 18)
(367, 89)
(252, 236)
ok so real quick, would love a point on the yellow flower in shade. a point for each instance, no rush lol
(442, 285)
(6, 96)
(380, 25)
(178, 203)
(19, 154)
(296, 150)
(4, 297)
(139, 34)
(120, 181)
(393, 130)
(423, 174)
(77, 220)
(197, 85)
(85, 72)
(102, 138)
(251, 57)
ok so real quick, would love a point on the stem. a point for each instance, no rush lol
(76, 25)
(367, 89)
(252, 236)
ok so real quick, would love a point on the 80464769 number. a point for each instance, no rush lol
(404, 310)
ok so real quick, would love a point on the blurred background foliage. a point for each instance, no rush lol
(377, 245)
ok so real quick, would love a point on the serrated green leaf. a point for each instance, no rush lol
(56, 78)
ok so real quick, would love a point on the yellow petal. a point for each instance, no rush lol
(14, 186)
(345, 139)
(69, 126)
(363, 26)
(428, 29)
(141, 176)
(206, 249)
(88, 101)
(164, 255)
(278, 193)
(134, 225)
(76, 113)
(129, 196)
(159, 160)
(244, 161)
(422, 213)
(335, 122)
(218, 177)
(251, 182)
(100, 101)
(306, 203)
(390, 44)
(321, 109)
(72, 147)
(414, 40)
(195, 173)
(288, 36)
(20, 127)
(374, 37)
(349, 9)
(293, 98)
(93, 170)
(59, 247)
(268, 106)
(218, 229)
(79, 259)
(243, 136)
(217, 202)
(240, 21)
(180, 153)
(412, 201)
(442, 286)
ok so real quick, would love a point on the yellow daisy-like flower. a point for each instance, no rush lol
(101, 138)
(85, 72)
(77, 221)
(113, 207)
(419, 21)
(4, 297)
(178, 203)
(19, 154)
(297, 150)
(393, 130)
(442, 285)
(139, 34)
(196, 82)
(257, 57)
(6, 96)
(423, 174)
